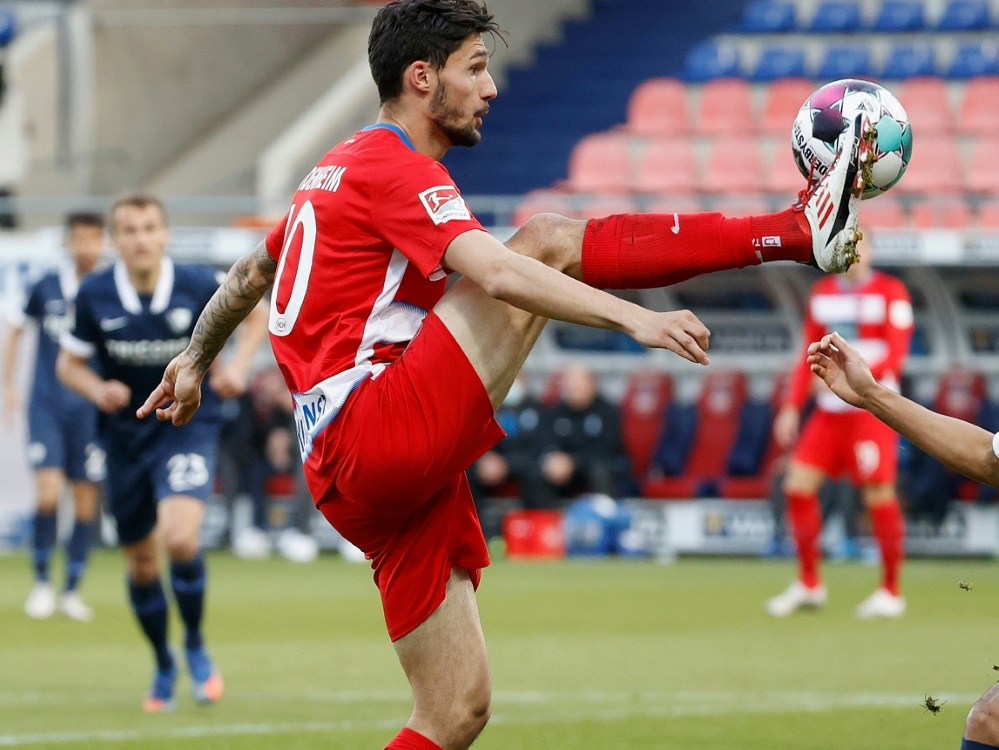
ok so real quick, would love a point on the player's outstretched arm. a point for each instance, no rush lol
(962, 446)
(245, 285)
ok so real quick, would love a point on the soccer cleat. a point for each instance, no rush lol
(160, 698)
(206, 680)
(831, 204)
(882, 603)
(797, 596)
(72, 606)
(41, 603)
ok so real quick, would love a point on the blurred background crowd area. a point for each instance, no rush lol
(605, 106)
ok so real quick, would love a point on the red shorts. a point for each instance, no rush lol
(855, 443)
(389, 473)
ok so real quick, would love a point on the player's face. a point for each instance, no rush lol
(140, 236)
(464, 89)
(85, 244)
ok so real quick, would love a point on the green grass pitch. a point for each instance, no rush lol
(585, 654)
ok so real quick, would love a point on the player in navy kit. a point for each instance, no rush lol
(61, 425)
(135, 317)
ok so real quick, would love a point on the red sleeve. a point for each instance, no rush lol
(897, 331)
(800, 383)
(418, 209)
(275, 238)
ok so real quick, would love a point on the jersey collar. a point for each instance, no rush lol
(130, 298)
(69, 283)
(395, 129)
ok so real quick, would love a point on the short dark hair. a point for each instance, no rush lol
(405, 31)
(84, 219)
(136, 200)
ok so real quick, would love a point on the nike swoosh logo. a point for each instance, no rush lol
(675, 229)
(113, 324)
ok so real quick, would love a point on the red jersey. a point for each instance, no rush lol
(359, 266)
(875, 316)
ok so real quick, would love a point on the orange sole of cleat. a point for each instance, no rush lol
(157, 706)
(211, 690)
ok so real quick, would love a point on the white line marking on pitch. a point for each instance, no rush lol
(663, 705)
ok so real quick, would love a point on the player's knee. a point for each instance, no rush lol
(472, 716)
(180, 545)
(143, 569)
(982, 724)
(551, 238)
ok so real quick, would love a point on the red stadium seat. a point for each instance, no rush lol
(642, 410)
(928, 105)
(540, 202)
(681, 204)
(983, 167)
(979, 110)
(987, 216)
(759, 486)
(784, 98)
(726, 108)
(734, 166)
(734, 206)
(884, 212)
(601, 163)
(961, 394)
(944, 212)
(658, 107)
(723, 394)
(935, 168)
(783, 175)
(667, 167)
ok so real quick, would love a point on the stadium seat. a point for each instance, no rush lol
(983, 167)
(975, 59)
(751, 204)
(779, 62)
(835, 16)
(909, 60)
(987, 215)
(755, 452)
(783, 176)
(605, 205)
(965, 15)
(675, 204)
(767, 17)
(978, 111)
(601, 163)
(782, 100)
(885, 212)
(845, 61)
(899, 15)
(643, 411)
(658, 107)
(540, 202)
(733, 166)
(927, 103)
(710, 60)
(935, 168)
(725, 108)
(941, 212)
(723, 393)
(667, 167)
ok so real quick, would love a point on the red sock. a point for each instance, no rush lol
(806, 523)
(407, 739)
(642, 251)
(888, 526)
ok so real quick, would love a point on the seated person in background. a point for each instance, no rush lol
(584, 451)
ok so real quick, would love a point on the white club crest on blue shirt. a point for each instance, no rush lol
(179, 319)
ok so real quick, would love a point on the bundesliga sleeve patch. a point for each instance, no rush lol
(444, 203)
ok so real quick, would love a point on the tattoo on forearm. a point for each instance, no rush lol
(245, 284)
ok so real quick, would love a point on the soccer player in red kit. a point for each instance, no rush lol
(873, 311)
(396, 379)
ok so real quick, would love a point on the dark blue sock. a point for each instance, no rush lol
(972, 745)
(77, 552)
(188, 581)
(43, 541)
(150, 606)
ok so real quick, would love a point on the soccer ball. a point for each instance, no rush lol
(824, 115)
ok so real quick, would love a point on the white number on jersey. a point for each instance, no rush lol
(290, 297)
(187, 471)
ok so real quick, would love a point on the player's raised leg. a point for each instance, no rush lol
(445, 662)
(49, 481)
(180, 519)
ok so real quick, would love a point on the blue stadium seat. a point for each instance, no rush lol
(845, 61)
(909, 60)
(974, 59)
(900, 15)
(836, 16)
(767, 17)
(780, 62)
(712, 60)
(965, 15)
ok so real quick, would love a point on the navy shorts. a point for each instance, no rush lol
(180, 461)
(66, 439)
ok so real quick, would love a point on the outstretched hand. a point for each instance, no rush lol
(842, 368)
(178, 395)
(680, 331)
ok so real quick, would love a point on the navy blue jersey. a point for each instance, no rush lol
(48, 304)
(135, 336)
